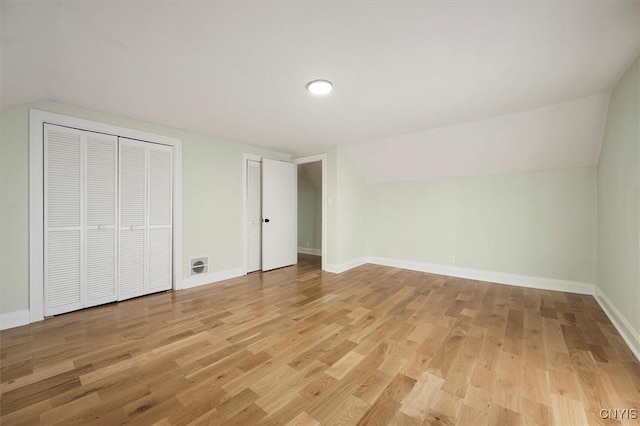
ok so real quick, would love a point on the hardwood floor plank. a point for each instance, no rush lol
(303, 419)
(63, 412)
(298, 346)
(422, 397)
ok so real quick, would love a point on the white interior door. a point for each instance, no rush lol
(254, 216)
(280, 214)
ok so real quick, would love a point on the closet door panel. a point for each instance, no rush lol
(160, 217)
(132, 263)
(101, 194)
(133, 183)
(101, 266)
(160, 185)
(63, 291)
(159, 259)
(63, 171)
(133, 218)
(102, 183)
(63, 168)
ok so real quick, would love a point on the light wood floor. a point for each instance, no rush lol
(374, 345)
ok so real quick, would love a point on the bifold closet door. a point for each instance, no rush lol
(101, 217)
(160, 217)
(79, 219)
(145, 253)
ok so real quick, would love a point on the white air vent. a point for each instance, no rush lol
(198, 265)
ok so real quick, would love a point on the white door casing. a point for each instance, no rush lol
(323, 159)
(254, 215)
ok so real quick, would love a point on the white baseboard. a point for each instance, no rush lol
(14, 319)
(211, 277)
(489, 276)
(307, 250)
(341, 267)
(621, 324)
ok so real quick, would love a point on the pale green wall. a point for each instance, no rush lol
(14, 213)
(317, 219)
(619, 200)
(332, 209)
(540, 224)
(309, 211)
(212, 196)
(352, 193)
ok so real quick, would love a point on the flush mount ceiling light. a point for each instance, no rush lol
(319, 87)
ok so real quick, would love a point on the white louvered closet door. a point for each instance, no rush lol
(80, 219)
(62, 219)
(133, 207)
(101, 214)
(160, 216)
(146, 183)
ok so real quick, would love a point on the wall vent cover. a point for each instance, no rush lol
(198, 265)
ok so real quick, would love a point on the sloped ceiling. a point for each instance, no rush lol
(402, 70)
(563, 135)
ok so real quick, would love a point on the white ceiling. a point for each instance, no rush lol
(237, 70)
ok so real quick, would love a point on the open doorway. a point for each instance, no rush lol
(310, 209)
(315, 235)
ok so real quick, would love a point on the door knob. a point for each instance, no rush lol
(266, 220)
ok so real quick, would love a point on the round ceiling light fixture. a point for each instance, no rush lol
(319, 87)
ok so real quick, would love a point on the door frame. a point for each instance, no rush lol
(245, 216)
(297, 161)
(37, 118)
(245, 228)
(323, 159)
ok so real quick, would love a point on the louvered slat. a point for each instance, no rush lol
(101, 266)
(160, 181)
(132, 184)
(159, 259)
(63, 176)
(101, 179)
(63, 271)
(131, 263)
